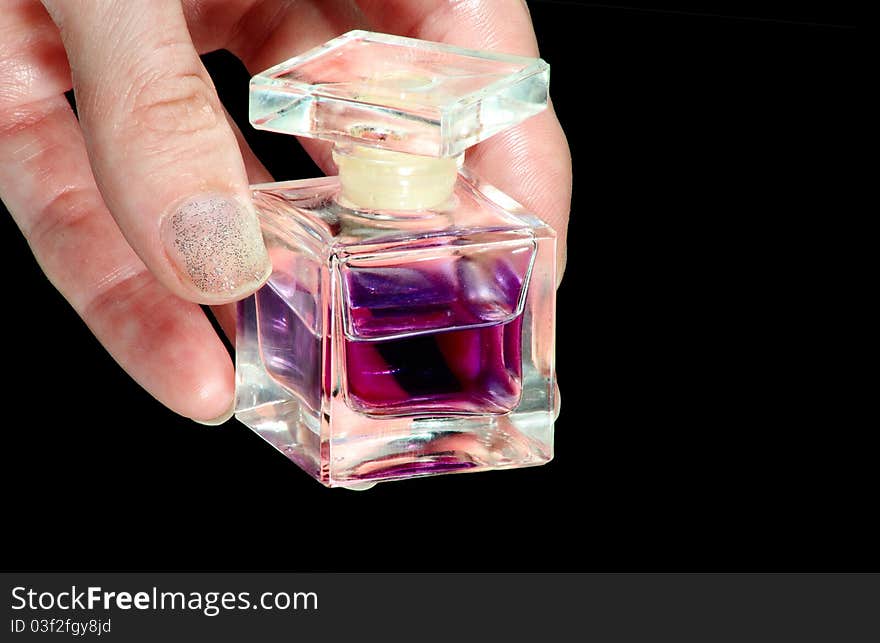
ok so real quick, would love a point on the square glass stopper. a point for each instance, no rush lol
(399, 94)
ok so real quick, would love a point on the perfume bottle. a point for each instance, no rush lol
(408, 325)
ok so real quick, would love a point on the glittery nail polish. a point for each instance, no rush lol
(407, 328)
(215, 242)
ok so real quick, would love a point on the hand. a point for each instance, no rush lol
(139, 211)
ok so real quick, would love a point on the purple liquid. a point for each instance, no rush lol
(439, 367)
(451, 370)
(460, 371)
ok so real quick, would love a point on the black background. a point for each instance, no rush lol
(698, 428)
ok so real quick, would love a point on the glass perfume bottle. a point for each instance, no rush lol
(408, 325)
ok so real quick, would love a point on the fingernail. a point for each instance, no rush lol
(217, 421)
(214, 241)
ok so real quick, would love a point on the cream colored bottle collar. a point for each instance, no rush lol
(377, 179)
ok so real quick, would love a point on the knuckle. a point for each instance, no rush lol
(124, 299)
(16, 119)
(63, 213)
(29, 137)
(174, 103)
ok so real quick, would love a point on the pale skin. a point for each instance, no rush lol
(89, 195)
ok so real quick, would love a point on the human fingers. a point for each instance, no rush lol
(530, 162)
(166, 344)
(163, 155)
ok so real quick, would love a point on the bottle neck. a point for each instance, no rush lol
(375, 179)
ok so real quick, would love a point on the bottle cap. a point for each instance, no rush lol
(398, 94)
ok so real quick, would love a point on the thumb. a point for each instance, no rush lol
(164, 157)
